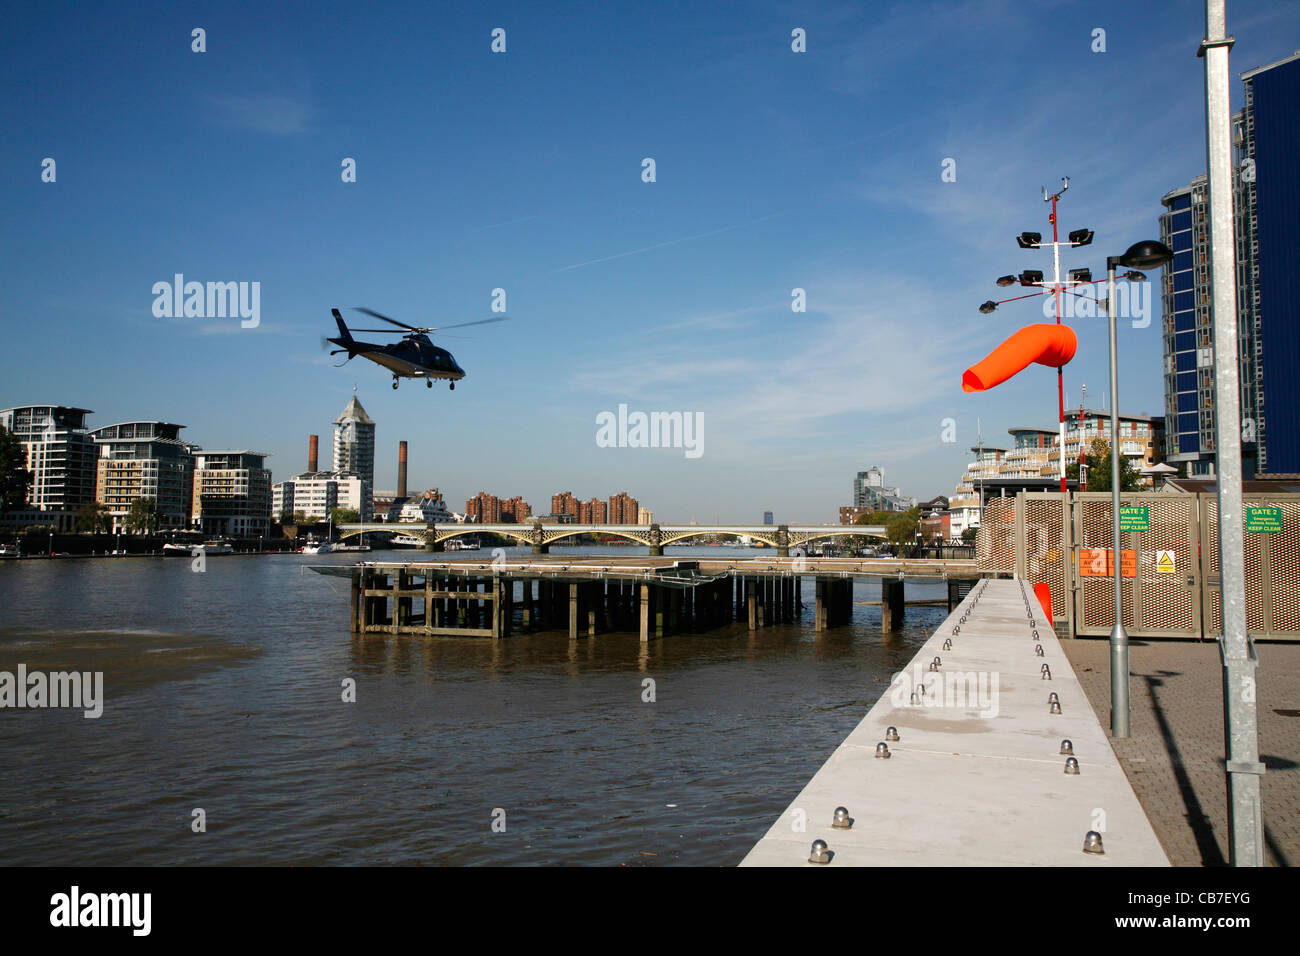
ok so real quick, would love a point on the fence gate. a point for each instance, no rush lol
(1161, 564)
(1272, 566)
(1029, 536)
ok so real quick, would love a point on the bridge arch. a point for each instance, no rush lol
(682, 534)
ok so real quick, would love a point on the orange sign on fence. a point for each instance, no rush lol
(1098, 563)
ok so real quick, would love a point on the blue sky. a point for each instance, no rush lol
(522, 171)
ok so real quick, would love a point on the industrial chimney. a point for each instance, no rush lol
(313, 452)
(401, 469)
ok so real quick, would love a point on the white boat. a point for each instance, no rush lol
(317, 547)
(9, 551)
(463, 544)
(213, 547)
(350, 547)
(407, 541)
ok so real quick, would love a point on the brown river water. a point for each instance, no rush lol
(223, 691)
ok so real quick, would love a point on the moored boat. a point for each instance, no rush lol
(211, 547)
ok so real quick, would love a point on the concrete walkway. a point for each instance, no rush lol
(1174, 754)
(977, 778)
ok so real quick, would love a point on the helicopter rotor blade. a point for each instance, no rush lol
(461, 325)
(383, 318)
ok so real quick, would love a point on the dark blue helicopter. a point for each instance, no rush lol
(413, 357)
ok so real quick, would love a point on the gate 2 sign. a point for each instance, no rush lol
(1134, 518)
(1264, 519)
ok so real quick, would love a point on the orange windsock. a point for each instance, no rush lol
(1051, 345)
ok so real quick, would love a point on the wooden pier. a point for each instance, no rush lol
(655, 597)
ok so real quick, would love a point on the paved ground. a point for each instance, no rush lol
(1174, 758)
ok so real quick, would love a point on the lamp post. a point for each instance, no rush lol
(1140, 255)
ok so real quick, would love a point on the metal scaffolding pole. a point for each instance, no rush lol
(1235, 648)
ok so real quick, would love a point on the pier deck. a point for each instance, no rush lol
(978, 780)
(656, 596)
(597, 566)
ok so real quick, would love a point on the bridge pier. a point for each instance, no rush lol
(541, 549)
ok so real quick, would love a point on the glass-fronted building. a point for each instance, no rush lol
(1268, 239)
(60, 457)
(1266, 206)
(144, 460)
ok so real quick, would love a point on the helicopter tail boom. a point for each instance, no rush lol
(345, 338)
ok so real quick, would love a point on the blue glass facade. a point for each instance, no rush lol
(1266, 206)
(1273, 142)
(1188, 419)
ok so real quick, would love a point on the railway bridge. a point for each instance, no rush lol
(654, 536)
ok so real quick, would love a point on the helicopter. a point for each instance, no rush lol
(413, 357)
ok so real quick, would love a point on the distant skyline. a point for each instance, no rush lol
(775, 171)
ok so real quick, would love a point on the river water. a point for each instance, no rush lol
(223, 691)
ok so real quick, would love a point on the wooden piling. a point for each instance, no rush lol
(573, 610)
(891, 604)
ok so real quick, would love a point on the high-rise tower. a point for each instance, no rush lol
(354, 450)
(1266, 207)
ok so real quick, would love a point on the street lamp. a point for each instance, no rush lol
(1148, 254)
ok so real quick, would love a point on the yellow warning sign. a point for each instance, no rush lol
(1165, 563)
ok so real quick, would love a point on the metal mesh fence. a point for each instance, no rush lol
(1272, 563)
(1161, 598)
(1170, 560)
(995, 543)
(1045, 546)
